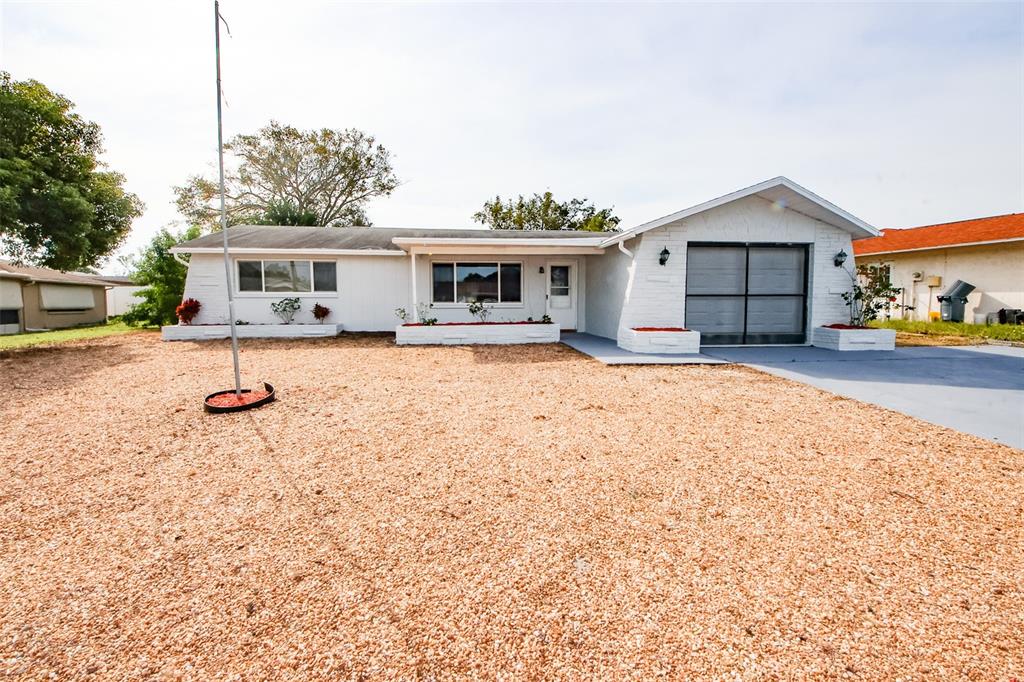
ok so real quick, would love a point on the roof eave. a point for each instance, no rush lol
(847, 221)
(939, 247)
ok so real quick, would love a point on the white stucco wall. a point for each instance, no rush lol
(656, 295)
(997, 270)
(607, 277)
(369, 290)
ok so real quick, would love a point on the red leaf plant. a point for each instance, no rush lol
(320, 312)
(188, 310)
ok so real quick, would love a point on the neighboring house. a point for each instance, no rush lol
(122, 294)
(33, 299)
(752, 267)
(925, 261)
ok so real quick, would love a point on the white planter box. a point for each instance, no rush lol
(853, 339)
(659, 342)
(198, 332)
(464, 334)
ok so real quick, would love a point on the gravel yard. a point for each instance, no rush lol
(513, 512)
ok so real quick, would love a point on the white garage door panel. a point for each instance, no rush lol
(65, 297)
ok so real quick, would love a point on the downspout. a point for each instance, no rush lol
(624, 250)
(177, 257)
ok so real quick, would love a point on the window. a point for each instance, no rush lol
(9, 316)
(287, 276)
(482, 282)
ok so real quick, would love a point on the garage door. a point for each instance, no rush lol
(747, 293)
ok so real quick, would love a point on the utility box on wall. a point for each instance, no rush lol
(934, 281)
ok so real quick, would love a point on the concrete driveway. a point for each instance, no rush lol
(974, 389)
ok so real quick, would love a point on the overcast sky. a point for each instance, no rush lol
(903, 114)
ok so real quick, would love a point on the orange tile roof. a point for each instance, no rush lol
(994, 229)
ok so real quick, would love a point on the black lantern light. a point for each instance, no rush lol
(839, 259)
(663, 257)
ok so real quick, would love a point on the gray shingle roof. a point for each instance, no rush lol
(287, 237)
(32, 274)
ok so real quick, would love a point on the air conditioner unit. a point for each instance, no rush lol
(918, 276)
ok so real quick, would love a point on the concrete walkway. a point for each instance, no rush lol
(974, 389)
(606, 351)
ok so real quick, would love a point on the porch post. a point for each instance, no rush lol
(412, 275)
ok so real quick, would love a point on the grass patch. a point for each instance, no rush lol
(98, 331)
(999, 332)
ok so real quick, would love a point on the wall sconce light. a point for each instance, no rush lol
(541, 270)
(663, 257)
(839, 259)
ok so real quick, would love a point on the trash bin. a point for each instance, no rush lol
(952, 302)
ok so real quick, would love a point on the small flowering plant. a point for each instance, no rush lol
(871, 295)
(286, 309)
(187, 310)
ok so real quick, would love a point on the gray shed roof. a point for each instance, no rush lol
(275, 237)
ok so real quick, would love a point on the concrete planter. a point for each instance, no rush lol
(464, 334)
(199, 332)
(659, 341)
(853, 339)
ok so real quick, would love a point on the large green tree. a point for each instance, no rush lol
(59, 207)
(544, 212)
(329, 174)
(156, 268)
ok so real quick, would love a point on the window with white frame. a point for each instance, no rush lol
(468, 282)
(287, 276)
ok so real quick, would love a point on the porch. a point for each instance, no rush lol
(520, 282)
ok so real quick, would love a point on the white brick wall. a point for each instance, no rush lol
(656, 295)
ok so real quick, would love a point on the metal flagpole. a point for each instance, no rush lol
(223, 210)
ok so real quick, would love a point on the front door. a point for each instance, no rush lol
(561, 293)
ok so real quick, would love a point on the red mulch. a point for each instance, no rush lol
(231, 400)
(660, 329)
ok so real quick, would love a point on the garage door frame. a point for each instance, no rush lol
(746, 338)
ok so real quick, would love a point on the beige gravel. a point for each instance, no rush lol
(522, 513)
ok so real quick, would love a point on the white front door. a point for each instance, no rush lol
(561, 293)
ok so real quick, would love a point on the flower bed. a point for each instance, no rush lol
(849, 337)
(461, 333)
(199, 332)
(671, 340)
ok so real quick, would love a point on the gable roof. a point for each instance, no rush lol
(779, 190)
(330, 239)
(1000, 228)
(30, 274)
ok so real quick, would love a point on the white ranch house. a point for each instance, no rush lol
(757, 266)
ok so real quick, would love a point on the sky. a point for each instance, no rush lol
(902, 114)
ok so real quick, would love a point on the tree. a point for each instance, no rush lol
(543, 212)
(58, 207)
(156, 268)
(285, 213)
(329, 174)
